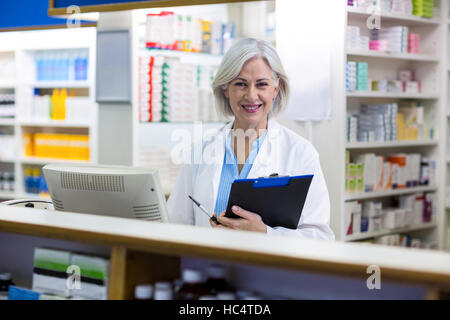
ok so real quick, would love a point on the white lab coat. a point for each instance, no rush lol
(283, 152)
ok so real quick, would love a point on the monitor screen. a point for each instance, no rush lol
(118, 191)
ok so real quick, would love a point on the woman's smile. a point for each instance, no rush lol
(251, 108)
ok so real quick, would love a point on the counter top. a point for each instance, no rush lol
(401, 264)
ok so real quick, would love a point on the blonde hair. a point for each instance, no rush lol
(232, 63)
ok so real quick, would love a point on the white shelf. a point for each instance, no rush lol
(394, 95)
(392, 55)
(394, 17)
(43, 161)
(197, 57)
(7, 195)
(391, 144)
(61, 84)
(388, 193)
(368, 235)
(7, 160)
(7, 122)
(6, 85)
(55, 123)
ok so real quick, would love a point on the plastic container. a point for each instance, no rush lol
(5, 282)
(193, 287)
(143, 292)
(163, 291)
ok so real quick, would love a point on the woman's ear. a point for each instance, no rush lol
(277, 89)
(226, 93)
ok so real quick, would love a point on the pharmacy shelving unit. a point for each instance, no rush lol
(148, 137)
(428, 66)
(446, 97)
(24, 45)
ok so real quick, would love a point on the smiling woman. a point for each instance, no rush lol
(252, 87)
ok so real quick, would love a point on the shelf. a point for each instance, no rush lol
(60, 84)
(392, 55)
(31, 196)
(368, 235)
(7, 160)
(43, 161)
(4, 85)
(391, 144)
(395, 95)
(7, 195)
(54, 123)
(388, 193)
(7, 122)
(199, 57)
(394, 17)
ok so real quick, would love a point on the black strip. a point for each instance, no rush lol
(50, 273)
(65, 275)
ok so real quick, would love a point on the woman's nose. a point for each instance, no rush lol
(252, 93)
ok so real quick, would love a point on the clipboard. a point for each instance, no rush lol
(278, 200)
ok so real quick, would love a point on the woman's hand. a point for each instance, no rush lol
(249, 221)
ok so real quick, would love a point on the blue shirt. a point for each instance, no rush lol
(230, 171)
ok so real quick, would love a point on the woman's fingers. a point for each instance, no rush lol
(243, 213)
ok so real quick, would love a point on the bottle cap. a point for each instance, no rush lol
(5, 276)
(192, 276)
(216, 271)
(226, 296)
(163, 294)
(143, 291)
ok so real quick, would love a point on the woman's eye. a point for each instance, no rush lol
(262, 84)
(240, 84)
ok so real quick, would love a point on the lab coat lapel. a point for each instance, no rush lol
(266, 161)
(214, 170)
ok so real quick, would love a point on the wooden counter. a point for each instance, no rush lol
(137, 245)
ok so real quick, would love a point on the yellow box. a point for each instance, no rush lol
(28, 143)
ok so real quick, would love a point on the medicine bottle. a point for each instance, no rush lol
(163, 291)
(143, 292)
(193, 287)
(5, 282)
(216, 281)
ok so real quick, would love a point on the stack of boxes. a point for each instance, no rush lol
(414, 43)
(423, 8)
(380, 173)
(377, 122)
(56, 146)
(169, 31)
(63, 274)
(371, 216)
(354, 40)
(362, 73)
(392, 39)
(356, 76)
(172, 91)
(350, 76)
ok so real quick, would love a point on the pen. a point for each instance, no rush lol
(204, 210)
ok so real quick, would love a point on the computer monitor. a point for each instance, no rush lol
(118, 191)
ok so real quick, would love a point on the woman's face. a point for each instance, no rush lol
(251, 94)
